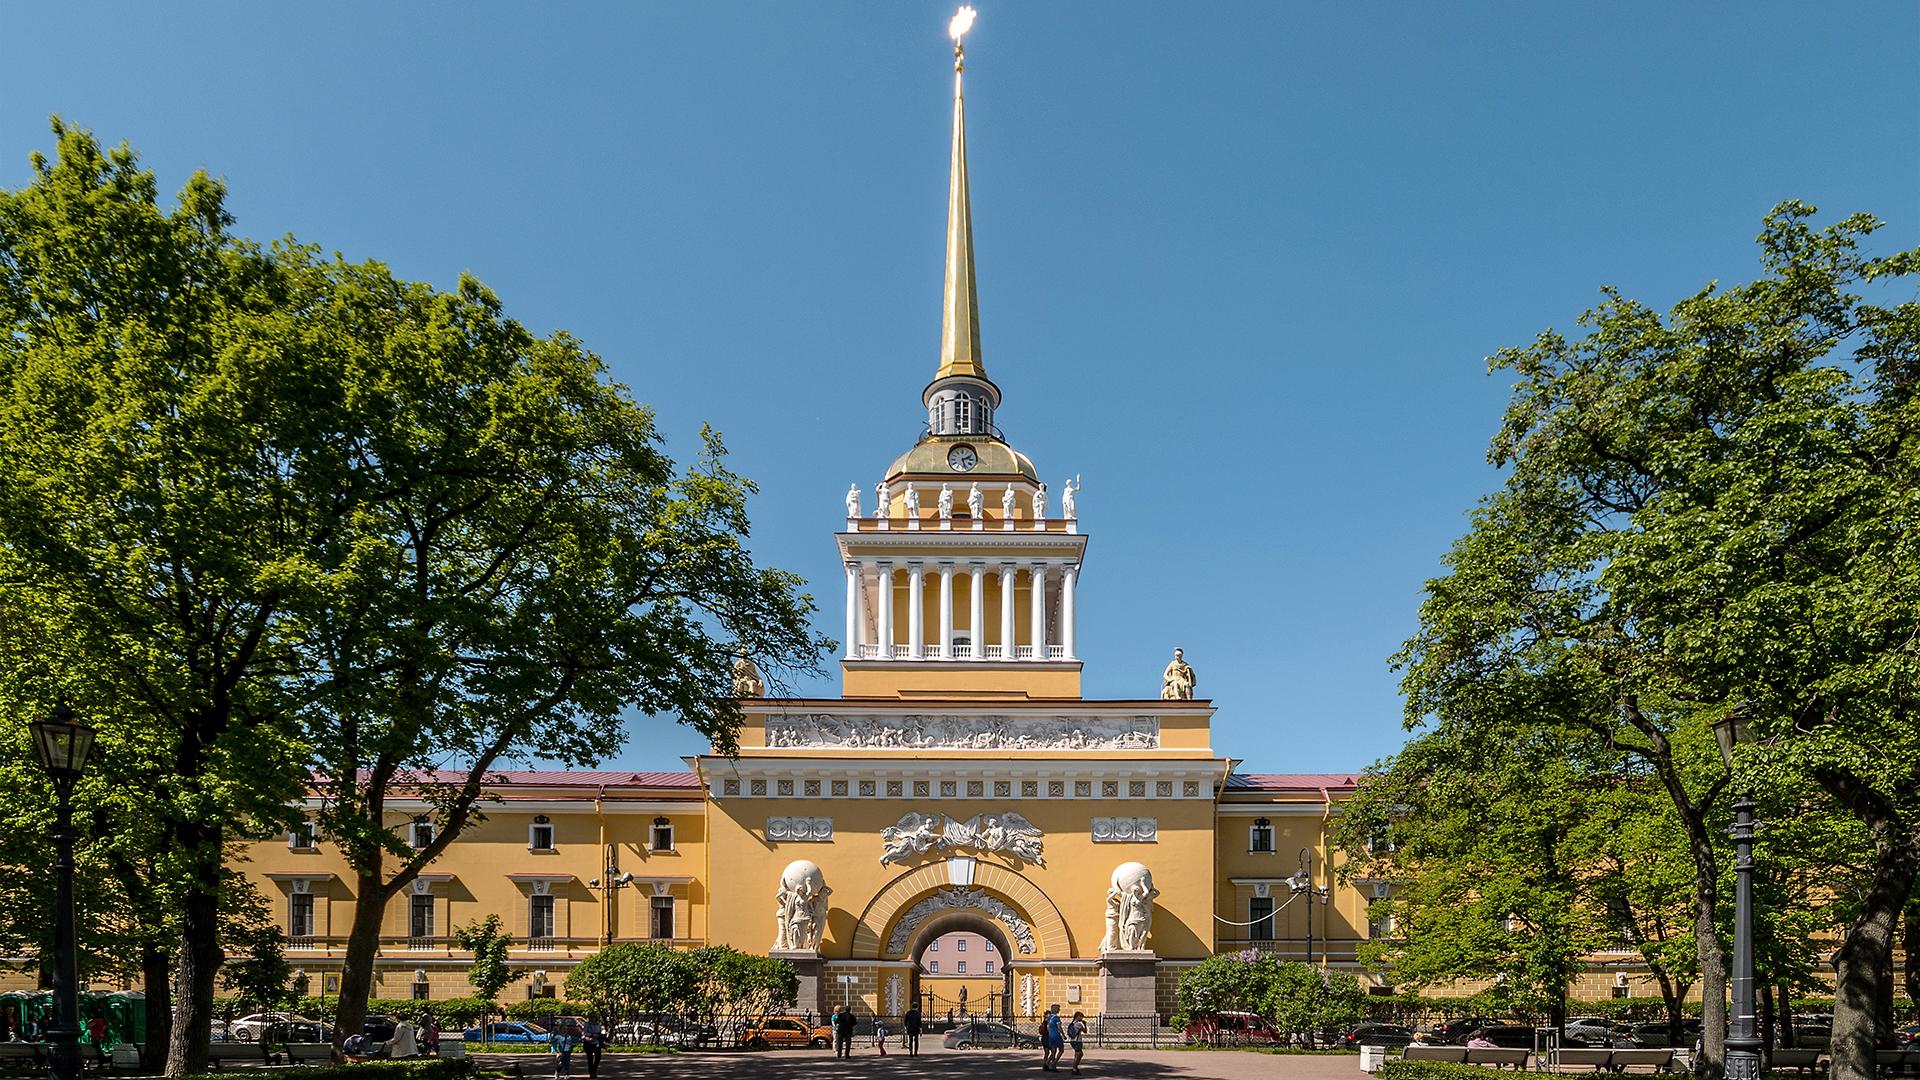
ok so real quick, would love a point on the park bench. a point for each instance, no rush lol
(1501, 1057)
(1656, 1060)
(1893, 1062)
(1583, 1057)
(1800, 1059)
(22, 1057)
(1418, 1052)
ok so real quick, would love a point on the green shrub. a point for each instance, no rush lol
(1395, 1069)
(540, 1010)
(435, 1069)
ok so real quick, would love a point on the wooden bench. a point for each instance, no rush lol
(1799, 1059)
(1424, 1052)
(1584, 1057)
(1655, 1060)
(21, 1057)
(1501, 1057)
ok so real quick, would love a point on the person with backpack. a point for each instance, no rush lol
(1052, 1040)
(562, 1042)
(1077, 1038)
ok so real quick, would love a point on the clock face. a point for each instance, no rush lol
(962, 458)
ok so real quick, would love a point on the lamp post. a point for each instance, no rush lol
(610, 881)
(63, 744)
(1301, 881)
(1743, 1042)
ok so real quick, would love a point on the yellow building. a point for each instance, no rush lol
(959, 783)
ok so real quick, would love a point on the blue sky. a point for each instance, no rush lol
(1240, 265)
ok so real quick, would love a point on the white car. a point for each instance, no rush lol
(248, 1028)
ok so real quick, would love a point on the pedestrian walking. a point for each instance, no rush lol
(1077, 1038)
(403, 1044)
(430, 1033)
(561, 1042)
(911, 1023)
(1052, 1039)
(593, 1040)
(880, 1035)
(843, 1022)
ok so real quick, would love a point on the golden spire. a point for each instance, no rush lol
(960, 309)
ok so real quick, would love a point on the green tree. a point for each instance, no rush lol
(1709, 515)
(1303, 1000)
(489, 972)
(1225, 982)
(524, 563)
(629, 979)
(155, 520)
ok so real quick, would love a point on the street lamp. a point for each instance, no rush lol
(609, 883)
(1743, 1042)
(63, 744)
(1301, 881)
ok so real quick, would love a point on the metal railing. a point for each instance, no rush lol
(962, 654)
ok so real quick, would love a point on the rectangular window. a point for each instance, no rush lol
(540, 836)
(300, 915)
(1260, 837)
(961, 967)
(301, 838)
(989, 945)
(959, 944)
(989, 967)
(662, 837)
(1260, 914)
(420, 915)
(421, 834)
(934, 945)
(663, 916)
(540, 917)
(933, 967)
(421, 991)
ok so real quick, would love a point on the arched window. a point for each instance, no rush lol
(962, 413)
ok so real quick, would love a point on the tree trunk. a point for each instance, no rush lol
(1865, 955)
(1883, 994)
(197, 960)
(363, 944)
(1786, 1016)
(155, 981)
(1910, 945)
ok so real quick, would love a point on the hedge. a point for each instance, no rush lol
(1398, 1069)
(436, 1069)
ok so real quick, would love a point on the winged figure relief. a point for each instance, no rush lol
(912, 835)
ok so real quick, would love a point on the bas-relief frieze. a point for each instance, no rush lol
(962, 899)
(916, 732)
(918, 834)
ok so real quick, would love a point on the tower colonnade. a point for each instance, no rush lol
(876, 630)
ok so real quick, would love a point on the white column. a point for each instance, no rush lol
(916, 611)
(1007, 572)
(945, 649)
(853, 611)
(1038, 576)
(884, 631)
(978, 616)
(1069, 574)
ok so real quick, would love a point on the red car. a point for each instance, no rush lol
(1231, 1029)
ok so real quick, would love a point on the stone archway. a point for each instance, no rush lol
(1000, 1004)
(1026, 917)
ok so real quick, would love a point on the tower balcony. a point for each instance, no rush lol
(962, 654)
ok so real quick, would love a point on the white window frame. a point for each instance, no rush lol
(293, 906)
(303, 837)
(654, 908)
(533, 834)
(933, 967)
(534, 903)
(1254, 919)
(959, 944)
(1254, 830)
(653, 837)
(960, 968)
(422, 901)
(414, 828)
(989, 970)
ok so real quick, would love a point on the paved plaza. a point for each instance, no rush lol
(933, 1061)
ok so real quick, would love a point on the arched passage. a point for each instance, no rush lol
(1000, 1003)
(1024, 914)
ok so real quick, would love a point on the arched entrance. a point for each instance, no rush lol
(926, 989)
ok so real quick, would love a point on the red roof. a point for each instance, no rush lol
(1291, 781)
(575, 778)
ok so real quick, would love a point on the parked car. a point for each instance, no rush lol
(507, 1031)
(248, 1028)
(1232, 1028)
(987, 1033)
(643, 1033)
(1458, 1030)
(1371, 1034)
(377, 1027)
(786, 1031)
(296, 1031)
(1602, 1034)
(1506, 1036)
